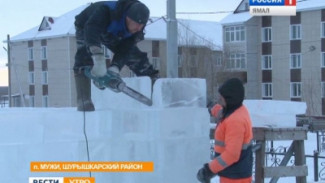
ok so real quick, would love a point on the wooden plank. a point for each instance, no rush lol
(258, 134)
(296, 133)
(284, 171)
(279, 129)
(317, 126)
(286, 135)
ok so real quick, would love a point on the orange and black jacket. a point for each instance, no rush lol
(233, 148)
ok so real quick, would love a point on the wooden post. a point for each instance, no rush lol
(260, 162)
(300, 158)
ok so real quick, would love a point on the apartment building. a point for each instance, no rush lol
(279, 57)
(42, 58)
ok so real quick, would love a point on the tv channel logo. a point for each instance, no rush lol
(272, 7)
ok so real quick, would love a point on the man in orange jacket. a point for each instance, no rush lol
(233, 160)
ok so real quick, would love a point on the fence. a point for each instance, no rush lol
(274, 155)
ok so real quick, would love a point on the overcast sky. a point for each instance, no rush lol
(17, 16)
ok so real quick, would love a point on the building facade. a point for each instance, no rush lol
(282, 56)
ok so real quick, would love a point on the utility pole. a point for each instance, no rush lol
(9, 71)
(172, 45)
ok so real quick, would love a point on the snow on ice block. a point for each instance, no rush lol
(179, 92)
(108, 99)
(273, 113)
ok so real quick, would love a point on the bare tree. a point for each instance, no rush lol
(311, 94)
(198, 57)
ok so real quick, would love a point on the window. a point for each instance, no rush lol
(235, 33)
(44, 77)
(31, 78)
(323, 89)
(45, 102)
(323, 59)
(295, 90)
(266, 62)
(246, 7)
(240, 33)
(31, 101)
(230, 34)
(266, 89)
(295, 61)
(295, 32)
(266, 34)
(44, 53)
(30, 54)
(237, 61)
(322, 30)
(156, 62)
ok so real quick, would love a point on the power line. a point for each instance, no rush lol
(196, 34)
(213, 12)
(151, 21)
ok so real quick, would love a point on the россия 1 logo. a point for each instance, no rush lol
(272, 7)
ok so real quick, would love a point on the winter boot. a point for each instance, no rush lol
(84, 102)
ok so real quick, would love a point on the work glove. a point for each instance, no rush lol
(204, 174)
(99, 68)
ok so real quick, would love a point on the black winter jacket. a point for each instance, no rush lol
(96, 21)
